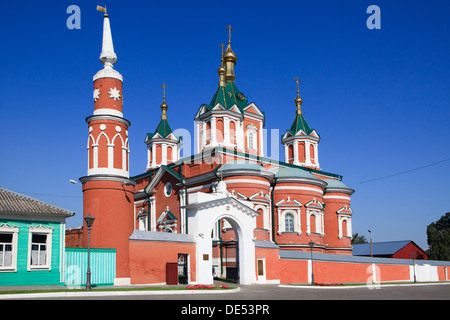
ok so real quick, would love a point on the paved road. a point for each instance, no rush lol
(275, 292)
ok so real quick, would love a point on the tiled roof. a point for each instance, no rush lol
(13, 202)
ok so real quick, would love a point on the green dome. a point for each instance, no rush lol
(335, 184)
(241, 165)
(284, 172)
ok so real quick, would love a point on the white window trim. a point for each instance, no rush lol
(48, 231)
(7, 228)
(252, 130)
(281, 221)
(167, 186)
(348, 219)
(319, 221)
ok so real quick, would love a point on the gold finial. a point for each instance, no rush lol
(298, 100)
(229, 33)
(164, 105)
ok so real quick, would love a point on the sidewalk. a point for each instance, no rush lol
(65, 291)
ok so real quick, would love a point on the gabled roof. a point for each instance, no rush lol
(379, 248)
(13, 202)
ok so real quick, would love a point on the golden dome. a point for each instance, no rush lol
(298, 103)
(229, 55)
(164, 108)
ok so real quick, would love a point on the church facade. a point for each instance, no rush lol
(224, 212)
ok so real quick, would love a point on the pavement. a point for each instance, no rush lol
(256, 292)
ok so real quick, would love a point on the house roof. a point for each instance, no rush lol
(13, 202)
(379, 248)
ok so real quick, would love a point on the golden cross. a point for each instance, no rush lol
(229, 33)
(164, 91)
(298, 91)
(222, 46)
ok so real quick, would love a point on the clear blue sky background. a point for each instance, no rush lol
(378, 98)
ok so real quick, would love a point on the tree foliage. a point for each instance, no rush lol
(356, 239)
(438, 238)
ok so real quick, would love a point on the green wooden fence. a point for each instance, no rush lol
(103, 266)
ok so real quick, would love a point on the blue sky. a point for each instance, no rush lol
(378, 98)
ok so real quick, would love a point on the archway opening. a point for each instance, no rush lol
(225, 251)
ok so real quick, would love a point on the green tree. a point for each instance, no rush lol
(438, 238)
(356, 239)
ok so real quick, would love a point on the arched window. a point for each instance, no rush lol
(232, 132)
(344, 228)
(219, 130)
(260, 219)
(311, 153)
(208, 130)
(169, 153)
(312, 224)
(301, 152)
(289, 222)
(290, 154)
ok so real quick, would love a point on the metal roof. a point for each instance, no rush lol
(379, 248)
(13, 202)
(304, 255)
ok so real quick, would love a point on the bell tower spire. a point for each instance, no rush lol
(107, 189)
(108, 56)
(163, 147)
(300, 141)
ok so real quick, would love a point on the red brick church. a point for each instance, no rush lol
(227, 211)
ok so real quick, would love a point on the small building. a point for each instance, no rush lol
(31, 241)
(390, 249)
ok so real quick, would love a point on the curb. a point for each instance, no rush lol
(68, 294)
(367, 286)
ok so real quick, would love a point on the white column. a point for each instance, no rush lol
(279, 221)
(204, 136)
(213, 132)
(152, 214)
(316, 153)
(261, 139)
(124, 158)
(110, 156)
(286, 153)
(164, 154)
(226, 131)
(295, 144)
(95, 155)
(307, 153)
(241, 135)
